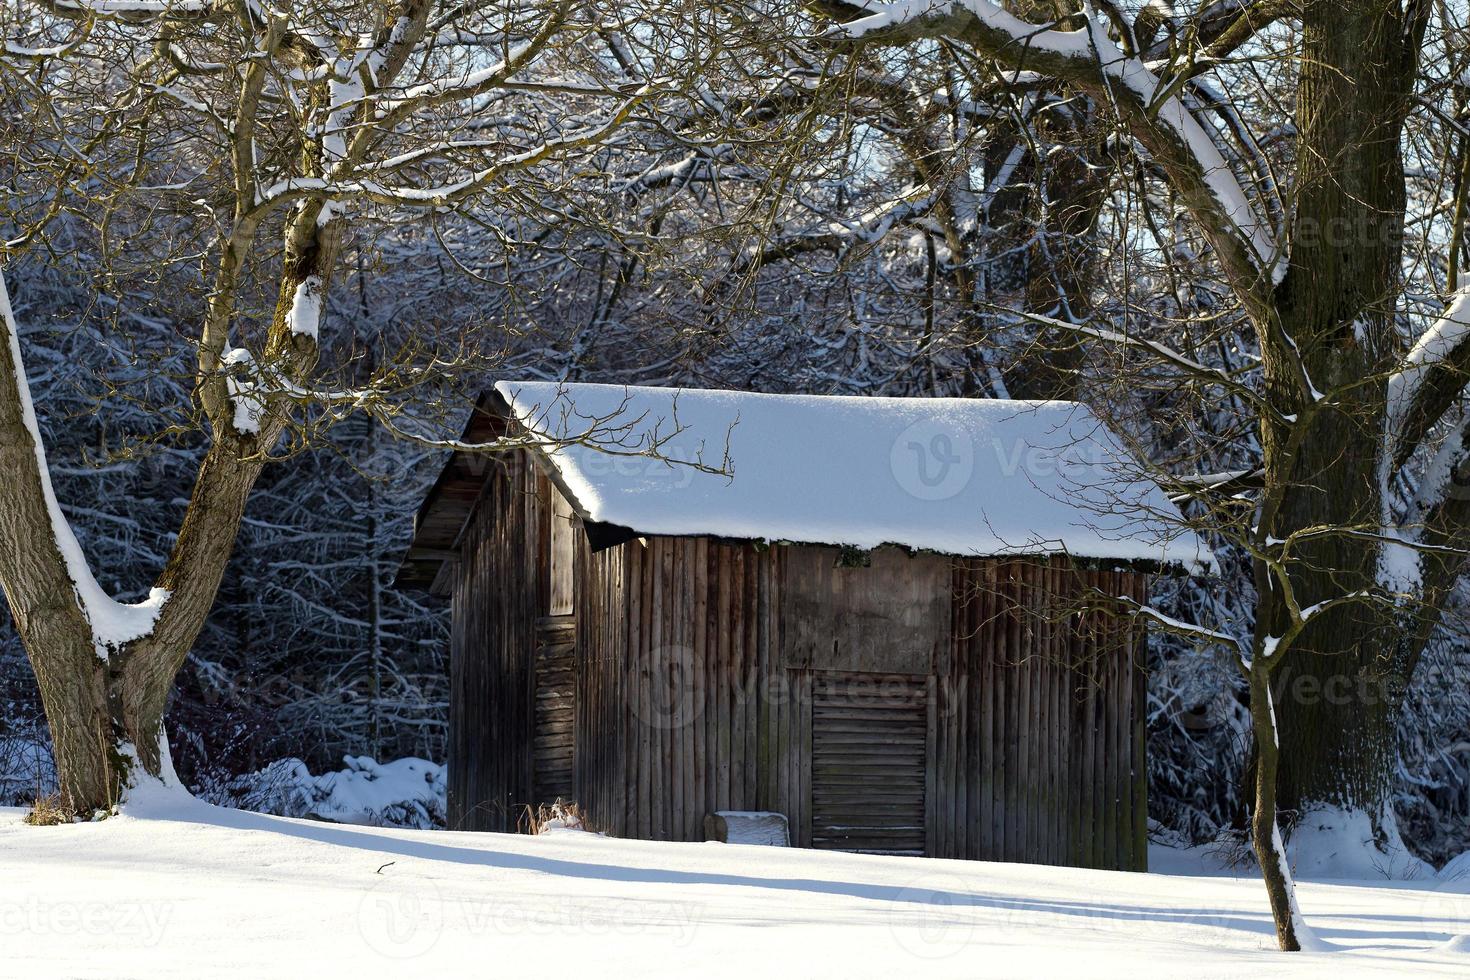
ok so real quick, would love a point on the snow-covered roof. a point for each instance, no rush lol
(955, 476)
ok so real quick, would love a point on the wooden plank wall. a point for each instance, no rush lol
(1038, 736)
(1035, 710)
(499, 590)
(687, 701)
(675, 642)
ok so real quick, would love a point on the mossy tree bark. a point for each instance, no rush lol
(1337, 308)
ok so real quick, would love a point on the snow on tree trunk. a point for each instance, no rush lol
(1292, 932)
(106, 717)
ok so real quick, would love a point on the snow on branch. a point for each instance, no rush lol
(619, 433)
(1169, 624)
(479, 81)
(134, 10)
(1429, 378)
(13, 49)
(1229, 481)
(1090, 60)
(296, 188)
(137, 6)
(113, 623)
(304, 316)
(836, 234)
(1189, 366)
(467, 86)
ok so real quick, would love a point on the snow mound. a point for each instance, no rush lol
(1331, 842)
(1457, 870)
(403, 793)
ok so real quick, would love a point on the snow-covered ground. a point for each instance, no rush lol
(178, 888)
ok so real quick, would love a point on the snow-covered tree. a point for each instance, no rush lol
(1349, 579)
(253, 143)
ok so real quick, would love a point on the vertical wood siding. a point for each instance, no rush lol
(674, 645)
(696, 684)
(1040, 754)
(499, 591)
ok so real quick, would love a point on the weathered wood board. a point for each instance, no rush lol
(889, 617)
(681, 677)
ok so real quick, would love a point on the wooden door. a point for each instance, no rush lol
(869, 738)
(554, 742)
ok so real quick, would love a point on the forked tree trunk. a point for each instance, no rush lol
(92, 710)
(104, 703)
(105, 700)
(106, 722)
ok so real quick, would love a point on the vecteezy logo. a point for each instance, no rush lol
(401, 919)
(942, 450)
(932, 461)
(933, 917)
(1446, 910)
(674, 698)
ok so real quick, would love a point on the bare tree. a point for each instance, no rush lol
(284, 131)
(1313, 256)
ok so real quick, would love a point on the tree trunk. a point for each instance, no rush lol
(1335, 721)
(1338, 721)
(102, 715)
(74, 692)
(1265, 832)
(1336, 307)
(106, 723)
(105, 700)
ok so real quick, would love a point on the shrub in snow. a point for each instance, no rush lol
(1432, 794)
(560, 815)
(402, 793)
(1457, 869)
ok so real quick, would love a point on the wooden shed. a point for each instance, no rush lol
(876, 616)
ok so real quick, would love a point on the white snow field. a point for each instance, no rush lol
(177, 888)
